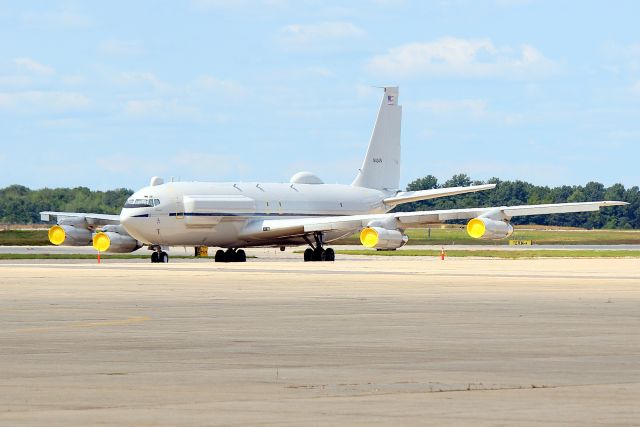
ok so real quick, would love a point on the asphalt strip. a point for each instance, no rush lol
(321, 272)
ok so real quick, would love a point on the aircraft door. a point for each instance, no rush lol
(179, 208)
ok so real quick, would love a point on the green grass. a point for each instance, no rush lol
(508, 254)
(24, 238)
(459, 236)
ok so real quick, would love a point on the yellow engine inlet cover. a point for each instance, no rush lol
(101, 242)
(369, 237)
(476, 228)
(57, 235)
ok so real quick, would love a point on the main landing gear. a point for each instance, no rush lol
(317, 252)
(231, 255)
(159, 255)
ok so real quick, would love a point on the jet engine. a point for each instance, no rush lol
(489, 229)
(69, 235)
(382, 238)
(114, 239)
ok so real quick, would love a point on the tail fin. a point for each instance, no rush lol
(381, 166)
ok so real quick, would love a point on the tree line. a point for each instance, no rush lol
(21, 205)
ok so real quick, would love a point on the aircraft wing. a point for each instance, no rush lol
(299, 226)
(92, 219)
(412, 196)
(503, 212)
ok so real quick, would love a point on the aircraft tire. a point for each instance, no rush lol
(308, 255)
(329, 255)
(219, 256)
(155, 256)
(319, 254)
(164, 257)
(241, 256)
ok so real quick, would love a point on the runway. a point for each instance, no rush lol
(362, 341)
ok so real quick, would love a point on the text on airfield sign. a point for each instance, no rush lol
(519, 242)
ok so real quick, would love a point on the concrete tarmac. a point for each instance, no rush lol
(355, 342)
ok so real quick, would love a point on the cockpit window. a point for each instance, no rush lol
(156, 202)
(140, 203)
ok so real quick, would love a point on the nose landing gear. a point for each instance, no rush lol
(317, 252)
(159, 255)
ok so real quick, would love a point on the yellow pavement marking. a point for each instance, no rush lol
(128, 321)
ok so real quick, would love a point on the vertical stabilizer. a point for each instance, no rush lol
(381, 166)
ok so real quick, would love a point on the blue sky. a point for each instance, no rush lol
(107, 94)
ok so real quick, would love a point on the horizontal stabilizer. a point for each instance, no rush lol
(414, 196)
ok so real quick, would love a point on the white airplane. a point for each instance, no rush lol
(305, 210)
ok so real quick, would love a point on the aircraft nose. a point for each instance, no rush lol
(125, 218)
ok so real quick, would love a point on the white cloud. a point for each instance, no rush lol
(366, 91)
(62, 123)
(512, 3)
(306, 35)
(202, 164)
(121, 47)
(118, 163)
(622, 57)
(73, 80)
(158, 108)
(475, 108)
(34, 66)
(39, 101)
(390, 3)
(227, 87)
(452, 56)
(15, 80)
(64, 18)
(141, 78)
(321, 71)
(249, 5)
(173, 110)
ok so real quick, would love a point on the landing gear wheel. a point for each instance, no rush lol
(163, 257)
(229, 255)
(219, 256)
(241, 256)
(155, 256)
(329, 255)
(308, 255)
(319, 254)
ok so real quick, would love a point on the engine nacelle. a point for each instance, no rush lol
(485, 228)
(114, 239)
(382, 238)
(69, 235)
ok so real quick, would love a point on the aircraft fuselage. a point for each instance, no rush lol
(228, 214)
